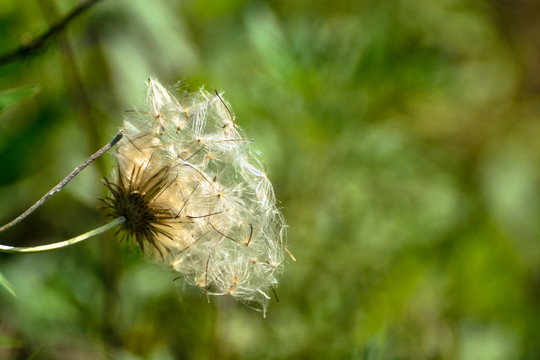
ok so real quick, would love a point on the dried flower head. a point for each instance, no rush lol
(195, 197)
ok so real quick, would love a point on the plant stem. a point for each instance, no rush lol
(62, 244)
(64, 182)
(37, 44)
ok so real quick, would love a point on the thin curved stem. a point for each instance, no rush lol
(38, 43)
(64, 182)
(62, 244)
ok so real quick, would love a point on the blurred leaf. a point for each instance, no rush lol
(13, 96)
(5, 283)
(7, 342)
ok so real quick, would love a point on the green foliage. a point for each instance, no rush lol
(401, 140)
(7, 285)
(13, 96)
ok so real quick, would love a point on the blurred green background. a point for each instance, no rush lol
(402, 141)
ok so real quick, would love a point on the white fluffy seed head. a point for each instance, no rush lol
(218, 223)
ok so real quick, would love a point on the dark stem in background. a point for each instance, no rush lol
(73, 76)
(109, 263)
(34, 46)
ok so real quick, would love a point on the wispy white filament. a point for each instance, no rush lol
(227, 234)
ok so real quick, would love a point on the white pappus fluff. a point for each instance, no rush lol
(195, 196)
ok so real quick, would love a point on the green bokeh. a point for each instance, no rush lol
(401, 139)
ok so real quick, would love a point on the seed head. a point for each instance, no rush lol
(195, 197)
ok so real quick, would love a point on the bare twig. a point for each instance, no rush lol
(64, 182)
(25, 50)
